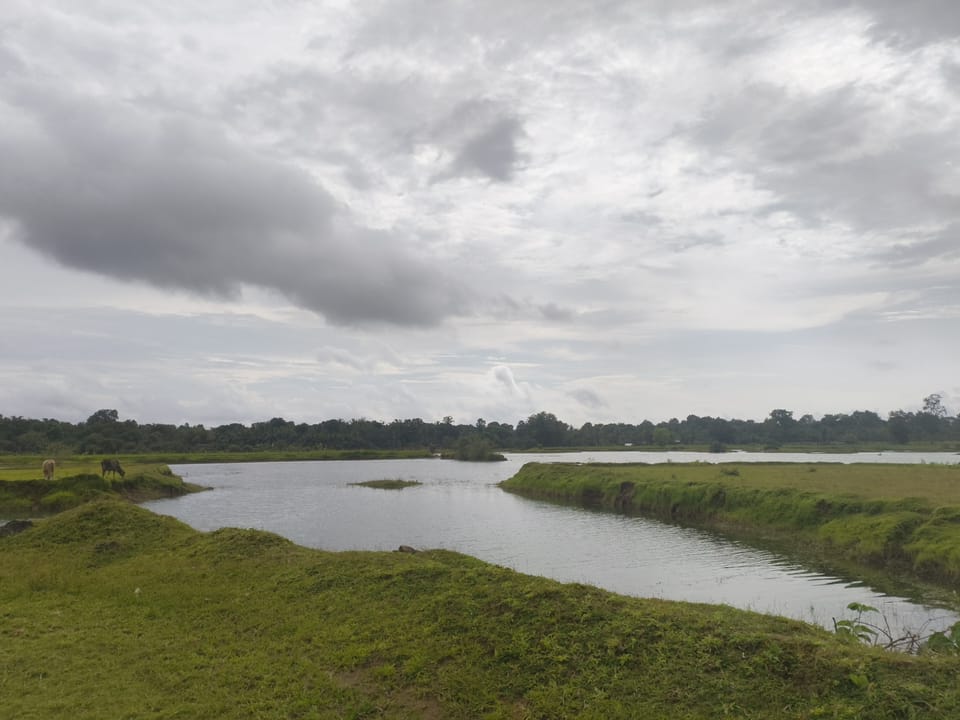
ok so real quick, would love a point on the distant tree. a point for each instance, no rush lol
(899, 426)
(101, 417)
(933, 405)
(476, 448)
(662, 435)
(546, 430)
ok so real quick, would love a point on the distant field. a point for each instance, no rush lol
(27, 467)
(24, 492)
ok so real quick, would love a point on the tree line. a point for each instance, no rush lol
(105, 433)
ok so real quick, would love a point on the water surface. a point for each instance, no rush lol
(459, 507)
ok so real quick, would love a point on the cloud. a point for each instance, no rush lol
(587, 398)
(944, 246)
(503, 375)
(104, 186)
(836, 154)
(914, 22)
(491, 153)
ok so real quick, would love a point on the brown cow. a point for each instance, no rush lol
(48, 467)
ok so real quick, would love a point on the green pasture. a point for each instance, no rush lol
(24, 492)
(23, 467)
(110, 611)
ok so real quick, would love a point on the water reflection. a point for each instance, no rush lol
(459, 507)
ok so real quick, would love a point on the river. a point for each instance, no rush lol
(459, 507)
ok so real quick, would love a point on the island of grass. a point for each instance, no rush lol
(23, 493)
(902, 517)
(109, 610)
(388, 484)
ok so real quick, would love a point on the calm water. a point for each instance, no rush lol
(458, 507)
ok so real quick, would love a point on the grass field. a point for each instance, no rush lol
(902, 515)
(110, 611)
(24, 492)
(22, 467)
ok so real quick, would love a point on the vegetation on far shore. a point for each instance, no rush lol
(905, 517)
(104, 433)
(108, 610)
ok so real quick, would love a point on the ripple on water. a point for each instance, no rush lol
(459, 507)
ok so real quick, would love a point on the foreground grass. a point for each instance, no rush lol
(24, 494)
(904, 516)
(108, 610)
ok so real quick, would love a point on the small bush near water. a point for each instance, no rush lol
(906, 516)
(108, 610)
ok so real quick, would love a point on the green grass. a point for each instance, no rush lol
(108, 610)
(15, 466)
(388, 484)
(24, 494)
(906, 516)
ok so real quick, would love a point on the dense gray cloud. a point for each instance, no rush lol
(102, 186)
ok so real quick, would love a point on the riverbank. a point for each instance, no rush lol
(112, 611)
(23, 494)
(902, 516)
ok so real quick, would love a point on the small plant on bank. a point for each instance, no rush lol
(945, 643)
(857, 628)
(882, 635)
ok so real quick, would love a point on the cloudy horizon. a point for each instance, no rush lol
(610, 211)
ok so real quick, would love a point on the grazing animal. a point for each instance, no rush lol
(48, 467)
(111, 466)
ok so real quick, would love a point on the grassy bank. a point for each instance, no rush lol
(23, 494)
(906, 516)
(848, 448)
(108, 610)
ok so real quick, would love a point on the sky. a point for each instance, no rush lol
(612, 211)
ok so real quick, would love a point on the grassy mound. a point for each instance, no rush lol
(108, 610)
(905, 515)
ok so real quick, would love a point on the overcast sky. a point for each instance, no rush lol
(613, 211)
